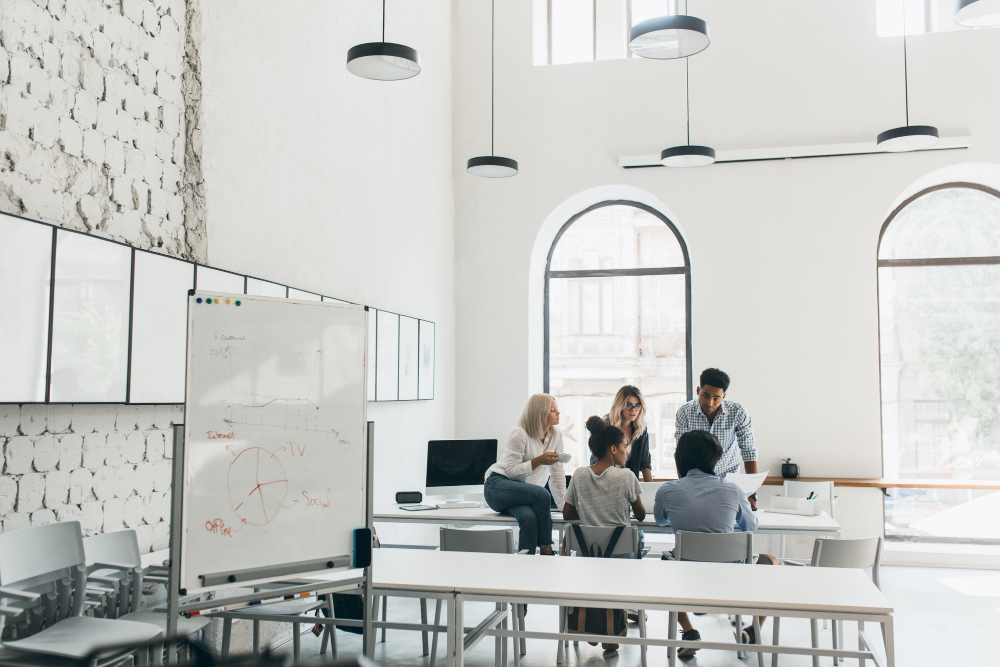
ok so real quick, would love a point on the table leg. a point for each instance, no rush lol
(672, 634)
(814, 633)
(423, 619)
(437, 621)
(503, 626)
(642, 634)
(561, 648)
(450, 635)
(760, 640)
(776, 622)
(459, 631)
(887, 636)
(861, 643)
(497, 643)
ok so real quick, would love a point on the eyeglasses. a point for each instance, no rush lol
(636, 406)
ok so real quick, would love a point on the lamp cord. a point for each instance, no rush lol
(383, 21)
(906, 75)
(493, 30)
(687, 95)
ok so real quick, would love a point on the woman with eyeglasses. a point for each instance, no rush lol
(628, 412)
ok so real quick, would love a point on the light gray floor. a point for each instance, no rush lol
(942, 617)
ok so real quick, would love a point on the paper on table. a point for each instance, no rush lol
(749, 482)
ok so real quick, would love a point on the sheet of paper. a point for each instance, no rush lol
(749, 482)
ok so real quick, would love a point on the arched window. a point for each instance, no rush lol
(939, 354)
(618, 311)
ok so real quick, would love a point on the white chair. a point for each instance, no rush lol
(798, 489)
(480, 541)
(124, 598)
(294, 610)
(864, 553)
(716, 548)
(43, 589)
(594, 542)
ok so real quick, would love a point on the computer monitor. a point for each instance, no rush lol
(457, 467)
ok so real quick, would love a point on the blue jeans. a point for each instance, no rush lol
(528, 503)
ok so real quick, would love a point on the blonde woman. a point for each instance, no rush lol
(515, 484)
(628, 414)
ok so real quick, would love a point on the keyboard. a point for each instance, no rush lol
(457, 506)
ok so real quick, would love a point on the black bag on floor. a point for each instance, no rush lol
(595, 620)
(347, 607)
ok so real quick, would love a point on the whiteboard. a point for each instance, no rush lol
(274, 433)
(427, 350)
(90, 318)
(408, 334)
(387, 357)
(25, 274)
(160, 288)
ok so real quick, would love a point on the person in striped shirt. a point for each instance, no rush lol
(728, 421)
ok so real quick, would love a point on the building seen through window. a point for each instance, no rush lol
(617, 312)
(939, 345)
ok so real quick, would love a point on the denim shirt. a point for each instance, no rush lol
(703, 503)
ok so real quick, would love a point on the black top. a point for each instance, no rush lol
(638, 456)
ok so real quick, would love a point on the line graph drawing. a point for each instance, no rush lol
(257, 485)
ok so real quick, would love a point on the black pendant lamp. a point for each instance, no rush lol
(909, 137)
(669, 37)
(383, 61)
(687, 156)
(977, 13)
(492, 166)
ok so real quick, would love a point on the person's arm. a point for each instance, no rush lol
(557, 477)
(744, 434)
(635, 498)
(680, 424)
(570, 513)
(646, 462)
(638, 510)
(660, 507)
(514, 465)
(746, 520)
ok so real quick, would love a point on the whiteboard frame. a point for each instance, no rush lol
(281, 572)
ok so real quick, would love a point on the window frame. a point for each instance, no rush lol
(913, 263)
(610, 273)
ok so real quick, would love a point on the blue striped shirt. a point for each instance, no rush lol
(703, 503)
(731, 426)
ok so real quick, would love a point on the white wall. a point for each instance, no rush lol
(328, 182)
(783, 253)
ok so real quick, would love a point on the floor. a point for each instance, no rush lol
(960, 629)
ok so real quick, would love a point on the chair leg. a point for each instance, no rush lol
(672, 634)
(256, 639)
(739, 636)
(423, 620)
(834, 628)
(503, 626)
(756, 633)
(775, 623)
(814, 632)
(520, 621)
(563, 647)
(385, 609)
(296, 641)
(437, 621)
(227, 633)
(496, 643)
(642, 634)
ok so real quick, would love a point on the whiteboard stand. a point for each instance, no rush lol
(263, 575)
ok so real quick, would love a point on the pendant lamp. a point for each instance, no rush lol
(687, 156)
(977, 13)
(492, 166)
(909, 137)
(669, 37)
(383, 61)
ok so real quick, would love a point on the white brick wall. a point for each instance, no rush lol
(92, 117)
(106, 466)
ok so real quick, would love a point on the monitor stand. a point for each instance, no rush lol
(454, 498)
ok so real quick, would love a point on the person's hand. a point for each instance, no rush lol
(753, 502)
(544, 459)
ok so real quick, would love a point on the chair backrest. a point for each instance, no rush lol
(120, 547)
(823, 490)
(597, 538)
(47, 560)
(479, 541)
(862, 553)
(713, 547)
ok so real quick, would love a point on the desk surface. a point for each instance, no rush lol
(624, 580)
(769, 521)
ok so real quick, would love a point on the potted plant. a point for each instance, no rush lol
(789, 470)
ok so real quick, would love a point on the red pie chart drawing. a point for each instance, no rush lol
(257, 485)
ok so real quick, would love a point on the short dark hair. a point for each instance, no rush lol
(697, 450)
(602, 436)
(713, 377)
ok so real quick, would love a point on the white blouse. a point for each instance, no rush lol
(515, 461)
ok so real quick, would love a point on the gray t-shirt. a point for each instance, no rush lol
(603, 500)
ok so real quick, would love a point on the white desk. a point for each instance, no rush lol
(645, 584)
(773, 523)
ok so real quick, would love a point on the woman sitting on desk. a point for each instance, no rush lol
(515, 484)
(626, 414)
(701, 502)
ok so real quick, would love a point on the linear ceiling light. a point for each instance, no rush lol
(687, 156)
(977, 13)
(909, 137)
(383, 61)
(668, 37)
(492, 166)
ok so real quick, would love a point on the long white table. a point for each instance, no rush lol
(773, 523)
(827, 593)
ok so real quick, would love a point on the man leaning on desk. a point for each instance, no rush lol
(729, 421)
